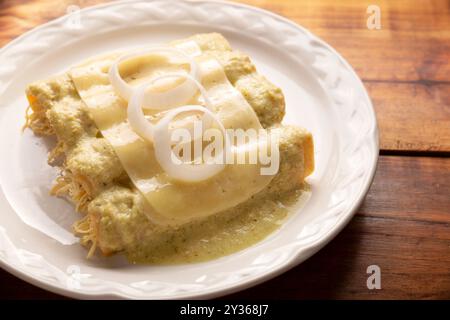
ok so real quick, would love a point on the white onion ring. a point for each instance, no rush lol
(136, 116)
(156, 100)
(186, 171)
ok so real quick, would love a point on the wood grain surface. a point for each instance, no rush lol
(403, 225)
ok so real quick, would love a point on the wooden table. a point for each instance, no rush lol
(403, 225)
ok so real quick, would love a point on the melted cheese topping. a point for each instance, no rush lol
(170, 202)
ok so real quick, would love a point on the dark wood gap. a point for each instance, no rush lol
(415, 153)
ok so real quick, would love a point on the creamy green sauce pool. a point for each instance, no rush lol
(221, 234)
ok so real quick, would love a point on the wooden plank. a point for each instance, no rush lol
(410, 188)
(405, 65)
(393, 55)
(15, 289)
(17, 17)
(413, 43)
(414, 117)
(403, 227)
(412, 49)
(414, 265)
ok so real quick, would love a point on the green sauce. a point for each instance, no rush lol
(222, 234)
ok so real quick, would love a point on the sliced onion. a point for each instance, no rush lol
(156, 100)
(189, 79)
(136, 116)
(186, 171)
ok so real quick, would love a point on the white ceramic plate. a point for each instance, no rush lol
(322, 92)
